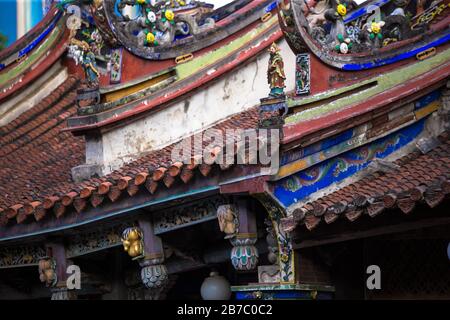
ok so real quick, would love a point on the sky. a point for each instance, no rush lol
(218, 3)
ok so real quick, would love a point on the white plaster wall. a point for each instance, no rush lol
(235, 92)
(33, 94)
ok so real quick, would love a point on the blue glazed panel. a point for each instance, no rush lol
(402, 56)
(300, 185)
(285, 295)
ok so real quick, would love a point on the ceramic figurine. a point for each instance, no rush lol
(84, 55)
(275, 73)
(90, 66)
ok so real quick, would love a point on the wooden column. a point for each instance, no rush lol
(153, 248)
(57, 252)
(244, 255)
(154, 273)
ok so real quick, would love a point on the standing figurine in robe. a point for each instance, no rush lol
(275, 73)
(89, 65)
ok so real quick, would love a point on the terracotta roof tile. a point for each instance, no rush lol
(36, 161)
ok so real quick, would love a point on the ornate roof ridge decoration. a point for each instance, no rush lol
(354, 38)
(26, 43)
(163, 30)
(415, 178)
(33, 54)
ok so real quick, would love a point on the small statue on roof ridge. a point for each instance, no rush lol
(275, 73)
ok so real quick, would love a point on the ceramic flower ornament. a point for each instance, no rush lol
(344, 45)
(151, 17)
(374, 30)
(169, 15)
(150, 38)
(341, 9)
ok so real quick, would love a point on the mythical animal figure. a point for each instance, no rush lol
(228, 220)
(47, 272)
(275, 73)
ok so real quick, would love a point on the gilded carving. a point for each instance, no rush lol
(132, 241)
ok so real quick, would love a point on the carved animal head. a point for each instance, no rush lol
(227, 216)
(47, 272)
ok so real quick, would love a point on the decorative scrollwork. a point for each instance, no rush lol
(284, 240)
(21, 256)
(91, 241)
(187, 215)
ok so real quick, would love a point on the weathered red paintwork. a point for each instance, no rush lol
(242, 57)
(304, 128)
(135, 68)
(41, 67)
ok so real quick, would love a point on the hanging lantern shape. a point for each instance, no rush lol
(215, 287)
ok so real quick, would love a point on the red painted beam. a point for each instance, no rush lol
(242, 57)
(304, 128)
(40, 67)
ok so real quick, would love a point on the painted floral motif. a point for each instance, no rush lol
(285, 253)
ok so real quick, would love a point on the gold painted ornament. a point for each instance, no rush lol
(133, 242)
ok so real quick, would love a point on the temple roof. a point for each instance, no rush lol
(414, 178)
(37, 157)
